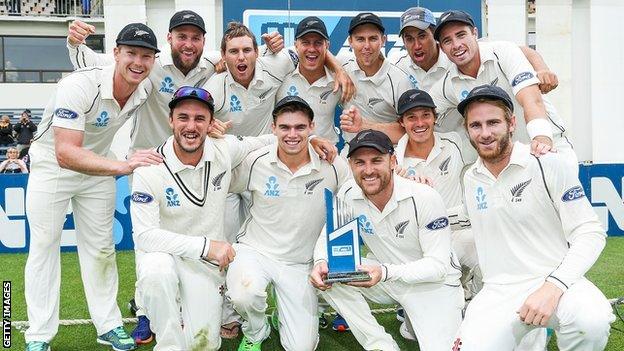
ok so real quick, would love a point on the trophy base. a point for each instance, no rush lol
(346, 277)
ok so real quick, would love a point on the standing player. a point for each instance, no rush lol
(405, 226)
(276, 243)
(500, 64)
(311, 81)
(536, 236)
(69, 163)
(379, 83)
(187, 191)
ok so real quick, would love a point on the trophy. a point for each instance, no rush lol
(343, 242)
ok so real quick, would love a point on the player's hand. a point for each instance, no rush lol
(220, 67)
(219, 128)
(274, 41)
(319, 272)
(541, 145)
(344, 82)
(374, 271)
(540, 305)
(221, 253)
(78, 32)
(142, 158)
(324, 148)
(548, 81)
(351, 120)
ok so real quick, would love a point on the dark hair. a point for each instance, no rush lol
(236, 30)
(292, 108)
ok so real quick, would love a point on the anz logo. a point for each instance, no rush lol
(173, 200)
(365, 225)
(102, 120)
(292, 91)
(606, 194)
(272, 187)
(235, 104)
(166, 86)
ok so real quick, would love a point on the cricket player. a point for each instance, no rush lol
(405, 226)
(177, 213)
(70, 162)
(379, 83)
(312, 81)
(500, 64)
(276, 243)
(536, 236)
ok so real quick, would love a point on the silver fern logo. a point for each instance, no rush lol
(309, 186)
(517, 190)
(494, 82)
(325, 95)
(400, 229)
(216, 181)
(444, 166)
(374, 101)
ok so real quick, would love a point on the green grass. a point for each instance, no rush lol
(607, 274)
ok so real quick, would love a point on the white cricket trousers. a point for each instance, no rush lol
(247, 280)
(50, 190)
(433, 309)
(582, 318)
(168, 284)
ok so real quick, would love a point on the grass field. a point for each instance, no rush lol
(607, 274)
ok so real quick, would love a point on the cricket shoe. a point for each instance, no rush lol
(37, 346)
(247, 345)
(406, 331)
(400, 314)
(142, 334)
(118, 339)
(340, 324)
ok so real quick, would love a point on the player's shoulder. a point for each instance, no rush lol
(150, 174)
(85, 78)
(261, 155)
(216, 81)
(349, 189)
(449, 137)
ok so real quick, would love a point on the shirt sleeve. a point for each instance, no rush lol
(320, 249)
(445, 103)
(71, 102)
(581, 225)
(83, 56)
(282, 63)
(148, 235)
(343, 171)
(434, 235)
(514, 65)
(240, 146)
(212, 56)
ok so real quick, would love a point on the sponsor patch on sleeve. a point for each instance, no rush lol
(293, 57)
(521, 78)
(65, 113)
(141, 198)
(438, 223)
(575, 192)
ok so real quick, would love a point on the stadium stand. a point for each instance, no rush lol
(14, 114)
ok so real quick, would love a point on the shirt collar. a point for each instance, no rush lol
(175, 165)
(377, 79)
(401, 148)
(258, 77)
(315, 160)
(520, 155)
(442, 63)
(321, 82)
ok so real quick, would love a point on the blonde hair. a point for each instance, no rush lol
(5, 119)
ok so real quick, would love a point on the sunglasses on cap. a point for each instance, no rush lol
(188, 92)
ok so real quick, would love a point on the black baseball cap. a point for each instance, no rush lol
(414, 98)
(137, 34)
(371, 138)
(486, 91)
(311, 24)
(184, 17)
(192, 93)
(452, 16)
(293, 100)
(419, 17)
(364, 18)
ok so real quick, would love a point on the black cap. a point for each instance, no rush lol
(311, 24)
(371, 138)
(452, 16)
(364, 18)
(26, 111)
(414, 98)
(486, 91)
(137, 34)
(192, 93)
(293, 100)
(183, 17)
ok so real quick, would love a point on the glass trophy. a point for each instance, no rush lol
(343, 242)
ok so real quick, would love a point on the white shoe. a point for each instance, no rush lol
(406, 333)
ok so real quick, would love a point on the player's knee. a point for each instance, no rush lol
(156, 273)
(244, 295)
(306, 341)
(593, 326)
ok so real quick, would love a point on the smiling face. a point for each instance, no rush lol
(489, 127)
(311, 49)
(191, 121)
(418, 123)
(421, 46)
(133, 63)
(187, 46)
(459, 42)
(240, 56)
(292, 128)
(366, 42)
(372, 170)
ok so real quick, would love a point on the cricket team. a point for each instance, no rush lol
(457, 167)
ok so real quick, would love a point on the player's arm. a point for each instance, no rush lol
(548, 79)
(352, 121)
(80, 54)
(446, 103)
(342, 81)
(150, 237)
(320, 268)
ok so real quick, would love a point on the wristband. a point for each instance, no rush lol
(558, 283)
(539, 127)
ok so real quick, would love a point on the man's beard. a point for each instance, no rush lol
(498, 153)
(179, 63)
